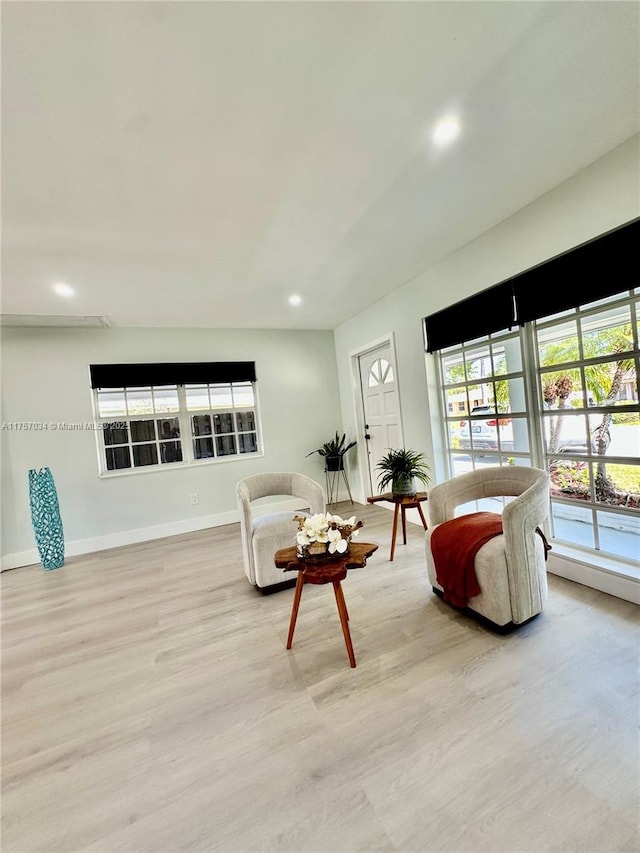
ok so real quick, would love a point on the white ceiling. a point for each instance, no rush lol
(194, 163)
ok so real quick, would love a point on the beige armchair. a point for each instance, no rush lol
(265, 533)
(510, 568)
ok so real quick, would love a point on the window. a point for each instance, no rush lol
(572, 403)
(587, 374)
(380, 373)
(561, 394)
(168, 425)
(484, 395)
(222, 419)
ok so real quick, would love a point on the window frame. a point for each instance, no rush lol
(532, 372)
(589, 457)
(186, 438)
(499, 454)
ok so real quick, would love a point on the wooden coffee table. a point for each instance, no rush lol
(332, 571)
(403, 503)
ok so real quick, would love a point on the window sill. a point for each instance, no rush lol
(615, 577)
(176, 466)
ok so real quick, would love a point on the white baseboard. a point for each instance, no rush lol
(19, 558)
(608, 576)
(144, 534)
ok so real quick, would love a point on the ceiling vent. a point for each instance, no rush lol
(54, 320)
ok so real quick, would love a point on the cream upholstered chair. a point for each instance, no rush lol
(264, 534)
(510, 568)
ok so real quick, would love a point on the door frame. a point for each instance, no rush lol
(361, 492)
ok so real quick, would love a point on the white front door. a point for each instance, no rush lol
(381, 407)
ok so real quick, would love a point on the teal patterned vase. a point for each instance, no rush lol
(45, 516)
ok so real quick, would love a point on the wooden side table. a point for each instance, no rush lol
(403, 503)
(332, 571)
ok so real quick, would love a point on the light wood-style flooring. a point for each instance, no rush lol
(149, 704)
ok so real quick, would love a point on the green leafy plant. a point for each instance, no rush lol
(402, 465)
(334, 447)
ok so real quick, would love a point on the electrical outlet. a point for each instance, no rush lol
(194, 499)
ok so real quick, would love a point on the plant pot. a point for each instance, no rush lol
(404, 487)
(333, 463)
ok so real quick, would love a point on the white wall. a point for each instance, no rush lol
(595, 200)
(45, 377)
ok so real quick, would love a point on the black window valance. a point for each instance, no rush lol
(602, 267)
(594, 270)
(485, 312)
(171, 373)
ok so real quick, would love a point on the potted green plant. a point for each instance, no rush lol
(333, 452)
(400, 469)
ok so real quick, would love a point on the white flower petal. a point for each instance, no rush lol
(326, 528)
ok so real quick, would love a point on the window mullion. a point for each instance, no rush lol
(185, 426)
(532, 392)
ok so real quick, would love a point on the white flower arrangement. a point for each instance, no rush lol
(324, 533)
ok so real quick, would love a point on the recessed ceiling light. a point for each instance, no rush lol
(63, 289)
(446, 131)
(294, 299)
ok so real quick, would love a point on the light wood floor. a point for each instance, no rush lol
(149, 704)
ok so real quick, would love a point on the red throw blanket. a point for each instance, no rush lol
(454, 545)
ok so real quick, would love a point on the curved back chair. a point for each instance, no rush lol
(510, 568)
(265, 533)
